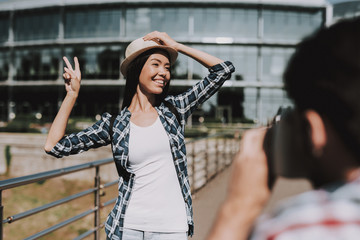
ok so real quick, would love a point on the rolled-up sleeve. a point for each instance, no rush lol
(92, 137)
(188, 101)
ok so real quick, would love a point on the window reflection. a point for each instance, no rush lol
(92, 23)
(346, 9)
(274, 63)
(225, 22)
(101, 62)
(36, 26)
(140, 21)
(37, 64)
(290, 25)
(4, 65)
(180, 69)
(271, 99)
(243, 58)
(250, 109)
(174, 21)
(4, 28)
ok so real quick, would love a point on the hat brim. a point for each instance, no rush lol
(171, 51)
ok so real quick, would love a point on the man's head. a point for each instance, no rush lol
(323, 75)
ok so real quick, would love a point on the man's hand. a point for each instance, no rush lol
(248, 190)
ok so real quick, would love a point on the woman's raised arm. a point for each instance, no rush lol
(72, 79)
(204, 58)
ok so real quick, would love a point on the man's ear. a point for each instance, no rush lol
(318, 135)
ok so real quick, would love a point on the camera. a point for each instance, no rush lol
(286, 145)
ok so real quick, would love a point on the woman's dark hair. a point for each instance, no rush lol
(133, 74)
(324, 75)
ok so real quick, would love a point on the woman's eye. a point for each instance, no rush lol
(155, 64)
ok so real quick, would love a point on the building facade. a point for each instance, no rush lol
(346, 9)
(258, 36)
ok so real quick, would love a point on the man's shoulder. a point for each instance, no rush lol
(313, 211)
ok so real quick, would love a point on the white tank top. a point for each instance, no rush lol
(156, 203)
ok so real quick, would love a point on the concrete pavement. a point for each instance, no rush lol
(208, 199)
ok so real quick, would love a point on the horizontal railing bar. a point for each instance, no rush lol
(47, 206)
(85, 234)
(208, 136)
(108, 202)
(19, 181)
(110, 183)
(60, 225)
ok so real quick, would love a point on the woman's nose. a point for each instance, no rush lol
(162, 72)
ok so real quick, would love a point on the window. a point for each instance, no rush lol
(37, 64)
(92, 23)
(274, 63)
(271, 100)
(225, 22)
(4, 27)
(243, 58)
(290, 25)
(36, 25)
(174, 21)
(140, 21)
(180, 69)
(4, 66)
(96, 62)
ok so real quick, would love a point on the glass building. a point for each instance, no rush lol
(258, 36)
(346, 9)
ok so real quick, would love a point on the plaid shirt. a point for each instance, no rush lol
(331, 213)
(98, 135)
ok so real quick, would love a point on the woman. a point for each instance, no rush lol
(147, 137)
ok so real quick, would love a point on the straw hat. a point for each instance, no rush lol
(138, 46)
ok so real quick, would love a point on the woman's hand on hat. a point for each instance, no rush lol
(72, 77)
(162, 38)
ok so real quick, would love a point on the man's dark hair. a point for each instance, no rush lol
(133, 74)
(324, 75)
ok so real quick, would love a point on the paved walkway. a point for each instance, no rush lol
(207, 201)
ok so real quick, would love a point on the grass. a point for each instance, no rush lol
(23, 198)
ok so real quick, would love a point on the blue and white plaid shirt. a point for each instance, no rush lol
(98, 135)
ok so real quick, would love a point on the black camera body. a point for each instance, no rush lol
(286, 145)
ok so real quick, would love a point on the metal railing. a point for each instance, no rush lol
(208, 156)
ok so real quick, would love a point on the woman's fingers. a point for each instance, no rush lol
(77, 67)
(161, 38)
(66, 76)
(67, 63)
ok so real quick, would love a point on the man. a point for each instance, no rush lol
(323, 80)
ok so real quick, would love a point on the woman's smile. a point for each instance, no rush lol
(160, 82)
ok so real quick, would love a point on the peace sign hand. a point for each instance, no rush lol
(72, 77)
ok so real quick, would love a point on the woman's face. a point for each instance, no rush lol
(155, 73)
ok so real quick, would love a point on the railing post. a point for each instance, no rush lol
(97, 204)
(1, 216)
(226, 150)
(224, 155)
(206, 159)
(217, 154)
(193, 167)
